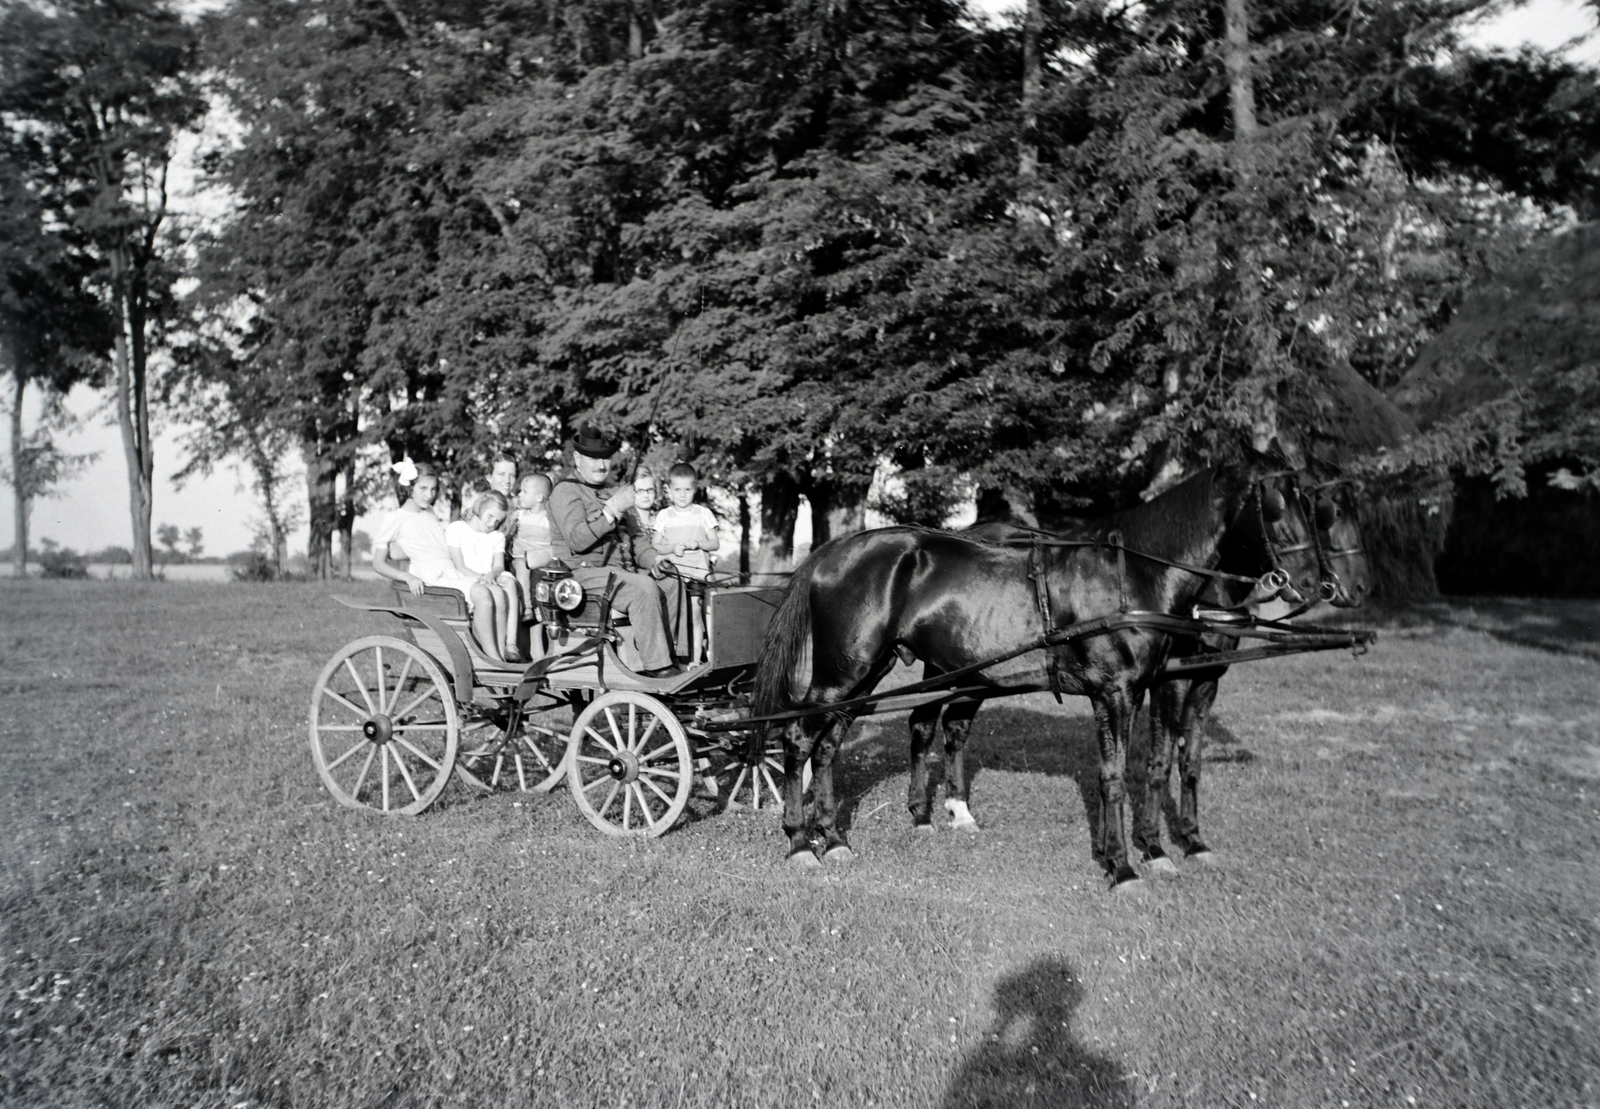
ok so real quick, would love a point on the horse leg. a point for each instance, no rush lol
(1191, 739)
(798, 743)
(1166, 706)
(924, 722)
(835, 848)
(1113, 712)
(957, 728)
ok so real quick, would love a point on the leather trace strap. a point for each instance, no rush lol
(1041, 595)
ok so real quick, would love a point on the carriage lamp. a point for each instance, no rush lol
(568, 595)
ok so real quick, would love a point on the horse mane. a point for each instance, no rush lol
(1178, 519)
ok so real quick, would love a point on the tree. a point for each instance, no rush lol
(194, 539)
(53, 332)
(97, 92)
(167, 535)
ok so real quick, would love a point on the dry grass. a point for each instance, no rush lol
(1407, 906)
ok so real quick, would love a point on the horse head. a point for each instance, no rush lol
(1303, 540)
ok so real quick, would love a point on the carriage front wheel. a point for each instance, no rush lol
(629, 765)
(384, 726)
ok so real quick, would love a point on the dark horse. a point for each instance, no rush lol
(858, 602)
(1309, 532)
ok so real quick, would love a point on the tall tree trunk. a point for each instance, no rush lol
(347, 517)
(1236, 58)
(19, 481)
(133, 411)
(780, 508)
(744, 536)
(322, 488)
(1032, 83)
(819, 496)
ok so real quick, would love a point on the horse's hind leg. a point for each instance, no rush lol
(924, 722)
(1166, 707)
(799, 741)
(957, 785)
(1191, 739)
(835, 848)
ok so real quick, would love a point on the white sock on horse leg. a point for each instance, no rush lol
(960, 815)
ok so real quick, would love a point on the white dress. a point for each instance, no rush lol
(421, 537)
(477, 548)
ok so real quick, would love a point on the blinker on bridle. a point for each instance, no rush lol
(1320, 515)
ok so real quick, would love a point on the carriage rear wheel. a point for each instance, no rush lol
(751, 786)
(384, 726)
(531, 758)
(629, 765)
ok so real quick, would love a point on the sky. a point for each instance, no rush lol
(91, 511)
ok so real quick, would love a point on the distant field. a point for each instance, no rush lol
(1406, 910)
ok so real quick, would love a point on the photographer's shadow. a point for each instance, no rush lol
(1030, 1057)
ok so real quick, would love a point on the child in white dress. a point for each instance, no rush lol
(414, 533)
(478, 546)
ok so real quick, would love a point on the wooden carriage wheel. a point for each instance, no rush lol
(384, 726)
(629, 764)
(751, 786)
(532, 759)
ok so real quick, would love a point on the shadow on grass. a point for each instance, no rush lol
(1030, 1056)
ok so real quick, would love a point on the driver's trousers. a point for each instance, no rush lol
(645, 605)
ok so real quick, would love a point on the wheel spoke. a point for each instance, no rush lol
(657, 790)
(336, 762)
(627, 806)
(361, 685)
(644, 805)
(600, 739)
(385, 751)
(610, 797)
(522, 778)
(401, 728)
(355, 791)
(339, 727)
(733, 793)
(777, 795)
(430, 691)
(621, 743)
(406, 774)
(425, 758)
(659, 751)
(594, 761)
(382, 691)
(655, 722)
(598, 782)
(351, 705)
(674, 774)
(400, 682)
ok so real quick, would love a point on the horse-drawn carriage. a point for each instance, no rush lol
(1153, 599)
(394, 717)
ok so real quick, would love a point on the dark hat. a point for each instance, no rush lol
(594, 442)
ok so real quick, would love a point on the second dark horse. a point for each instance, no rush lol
(857, 603)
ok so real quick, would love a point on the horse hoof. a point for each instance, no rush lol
(1203, 857)
(1161, 865)
(1128, 887)
(839, 853)
(960, 815)
(923, 826)
(804, 860)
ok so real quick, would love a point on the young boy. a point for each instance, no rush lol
(530, 535)
(687, 534)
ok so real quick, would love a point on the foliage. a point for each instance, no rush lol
(94, 94)
(62, 562)
(791, 241)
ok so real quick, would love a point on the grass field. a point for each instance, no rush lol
(1406, 910)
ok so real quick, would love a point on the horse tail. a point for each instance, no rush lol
(788, 644)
